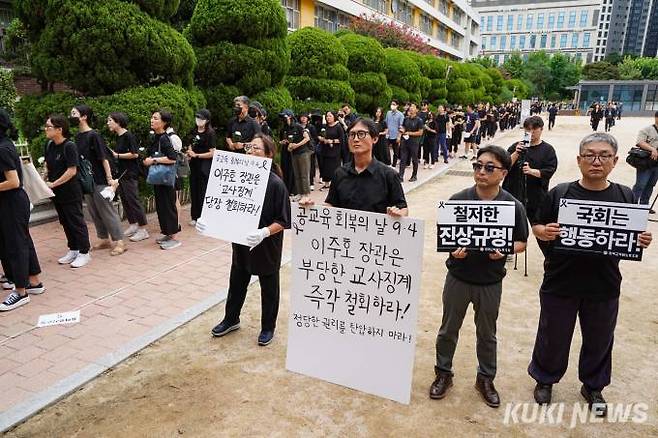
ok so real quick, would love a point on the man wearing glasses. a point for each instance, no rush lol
(366, 184)
(580, 285)
(477, 277)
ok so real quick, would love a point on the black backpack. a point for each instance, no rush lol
(84, 173)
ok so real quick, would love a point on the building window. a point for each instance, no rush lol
(586, 38)
(553, 41)
(551, 21)
(574, 40)
(540, 20)
(519, 22)
(512, 42)
(443, 8)
(533, 41)
(378, 5)
(330, 19)
(503, 42)
(494, 42)
(510, 22)
(572, 19)
(292, 12)
(457, 40)
(457, 15)
(630, 95)
(443, 33)
(521, 41)
(499, 22)
(651, 103)
(484, 43)
(583, 18)
(542, 42)
(405, 13)
(528, 22)
(426, 24)
(489, 22)
(563, 41)
(560, 20)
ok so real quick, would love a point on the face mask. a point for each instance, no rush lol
(237, 110)
(74, 120)
(394, 107)
(200, 122)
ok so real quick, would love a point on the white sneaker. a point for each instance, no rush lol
(81, 260)
(192, 223)
(312, 187)
(68, 258)
(141, 234)
(132, 229)
(13, 301)
(431, 166)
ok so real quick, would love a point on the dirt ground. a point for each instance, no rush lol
(193, 385)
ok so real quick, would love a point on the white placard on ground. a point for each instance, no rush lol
(234, 196)
(354, 299)
(475, 225)
(597, 227)
(59, 318)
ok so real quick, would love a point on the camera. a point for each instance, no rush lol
(236, 137)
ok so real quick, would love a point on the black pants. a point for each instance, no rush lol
(395, 147)
(557, 321)
(609, 123)
(198, 185)
(16, 247)
(165, 205)
(237, 292)
(595, 124)
(73, 221)
(409, 153)
(551, 122)
(132, 206)
(312, 171)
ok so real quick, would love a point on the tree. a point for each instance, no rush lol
(564, 73)
(515, 65)
(538, 72)
(403, 75)
(600, 71)
(629, 69)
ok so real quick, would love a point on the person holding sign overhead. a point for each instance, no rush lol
(579, 284)
(263, 256)
(477, 277)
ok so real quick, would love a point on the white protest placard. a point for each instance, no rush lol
(234, 196)
(475, 225)
(597, 227)
(354, 299)
(59, 318)
(525, 109)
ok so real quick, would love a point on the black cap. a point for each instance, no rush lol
(259, 106)
(287, 113)
(203, 114)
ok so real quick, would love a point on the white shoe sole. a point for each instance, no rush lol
(133, 239)
(170, 247)
(4, 308)
(36, 291)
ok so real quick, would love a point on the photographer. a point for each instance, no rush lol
(533, 164)
(241, 128)
(295, 139)
(645, 180)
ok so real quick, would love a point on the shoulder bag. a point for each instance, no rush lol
(161, 174)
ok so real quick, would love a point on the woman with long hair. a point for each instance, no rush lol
(380, 149)
(332, 139)
(263, 255)
(201, 151)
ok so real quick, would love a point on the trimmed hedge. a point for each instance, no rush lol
(220, 103)
(161, 9)
(304, 87)
(312, 50)
(364, 54)
(7, 90)
(371, 90)
(403, 74)
(236, 21)
(102, 47)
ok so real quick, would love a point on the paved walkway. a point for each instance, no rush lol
(126, 303)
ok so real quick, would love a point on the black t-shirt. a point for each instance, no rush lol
(127, 144)
(374, 189)
(335, 132)
(477, 267)
(265, 258)
(294, 133)
(580, 275)
(202, 142)
(9, 160)
(552, 112)
(92, 146)
(60, 157)
(542, 157)
(247, 127)
(412, 124)
(161, 147)
(441, 123)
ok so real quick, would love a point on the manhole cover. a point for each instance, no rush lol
(468, 173)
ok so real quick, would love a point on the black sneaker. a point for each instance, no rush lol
(543, 393)
(224, 328)
(14, 301)
(413, 179)
(596, 402)
(35, 289)
(265, 337)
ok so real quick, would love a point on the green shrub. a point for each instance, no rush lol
(7, 90)
(365, 54)
(304, 87)
(274, 100)
(312, 50)
(118, 46)
(161, 9)
(371, 90)
(33, 111)
(236, 21)
(309, 105)
(32, 14)
(402, 72)
(220, 103)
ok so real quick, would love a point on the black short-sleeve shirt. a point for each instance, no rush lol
(127, 143)
(265, 258)
(247, 127)
(92, 146)
(413, 124)
(60, 157)
(161, 147)
(580, 275)
(441, 123)
(374, 189)
(9, 160)
(203, 142)
(296, 131)
(477, 267)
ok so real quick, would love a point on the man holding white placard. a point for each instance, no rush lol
(582, 284)
(476, 277)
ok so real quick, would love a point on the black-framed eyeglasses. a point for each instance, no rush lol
(248, 147)
(489, 168)
(591, 158)
(357, 134)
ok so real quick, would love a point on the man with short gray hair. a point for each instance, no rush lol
(241, 128)
(580, 285)
(646, 179)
